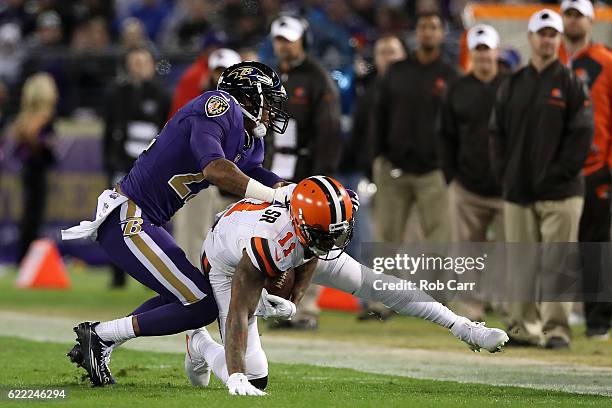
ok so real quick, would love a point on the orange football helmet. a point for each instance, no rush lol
(322, 214)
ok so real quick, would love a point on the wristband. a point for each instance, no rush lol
(257, 190)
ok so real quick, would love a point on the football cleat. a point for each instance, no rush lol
(92, 354)
(476, 335)
(76, 355)
(196, 367)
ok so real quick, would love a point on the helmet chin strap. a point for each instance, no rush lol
(260, 129)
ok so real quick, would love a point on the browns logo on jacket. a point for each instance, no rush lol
(541, 130)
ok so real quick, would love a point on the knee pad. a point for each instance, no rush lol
(260, 383)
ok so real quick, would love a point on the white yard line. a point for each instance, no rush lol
(465, 367)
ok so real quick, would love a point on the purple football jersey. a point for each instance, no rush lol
(169, 171)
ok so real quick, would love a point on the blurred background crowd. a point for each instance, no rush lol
(80, 43)
(128, 65)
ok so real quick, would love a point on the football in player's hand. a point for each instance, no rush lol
(281, 285)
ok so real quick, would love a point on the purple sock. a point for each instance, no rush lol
(172, 318)
(150, 304)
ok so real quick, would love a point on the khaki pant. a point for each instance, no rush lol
(192, 222)
(543, 221)
(398, 192)
(471, 217)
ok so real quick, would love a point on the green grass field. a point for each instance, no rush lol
(156, 379)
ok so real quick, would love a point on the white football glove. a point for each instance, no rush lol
(271, 306)
(282, 195)
(238, 384)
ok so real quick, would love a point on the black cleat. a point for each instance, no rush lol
(76, 355)
(90, 353)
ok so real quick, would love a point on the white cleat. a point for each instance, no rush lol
(196, 367)
(478, 336)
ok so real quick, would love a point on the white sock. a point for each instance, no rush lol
(214, 353)
(116, 331)
(405, 302)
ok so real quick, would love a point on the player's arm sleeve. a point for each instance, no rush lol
(327, 130)
(497, 131)
(578, 134)
(266, 256)
(448, 135)
(205, 140)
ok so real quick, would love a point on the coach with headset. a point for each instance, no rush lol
(312, 143)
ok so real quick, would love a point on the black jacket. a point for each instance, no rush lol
(128, 104)
(314, 107)
(463, 131)
(406, 111)
(541, 130)
(360, 149)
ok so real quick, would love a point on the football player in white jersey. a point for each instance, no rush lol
(254, 241)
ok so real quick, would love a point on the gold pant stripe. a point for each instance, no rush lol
(155, 260)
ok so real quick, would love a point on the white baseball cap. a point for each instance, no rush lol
(223, 58)
(545, 18)
(585, 7)
(287, 27)
(482, 34)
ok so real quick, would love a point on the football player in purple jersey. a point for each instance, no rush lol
(217, 138)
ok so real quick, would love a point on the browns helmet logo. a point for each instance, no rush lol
(216, 106)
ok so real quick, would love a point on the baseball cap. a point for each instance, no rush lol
(287, 27)
(545, 18)
(482, 34)
(223, 58)
(585, 7)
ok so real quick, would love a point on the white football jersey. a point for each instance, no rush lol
(263, 229)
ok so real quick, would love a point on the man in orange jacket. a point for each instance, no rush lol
(593, 64)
